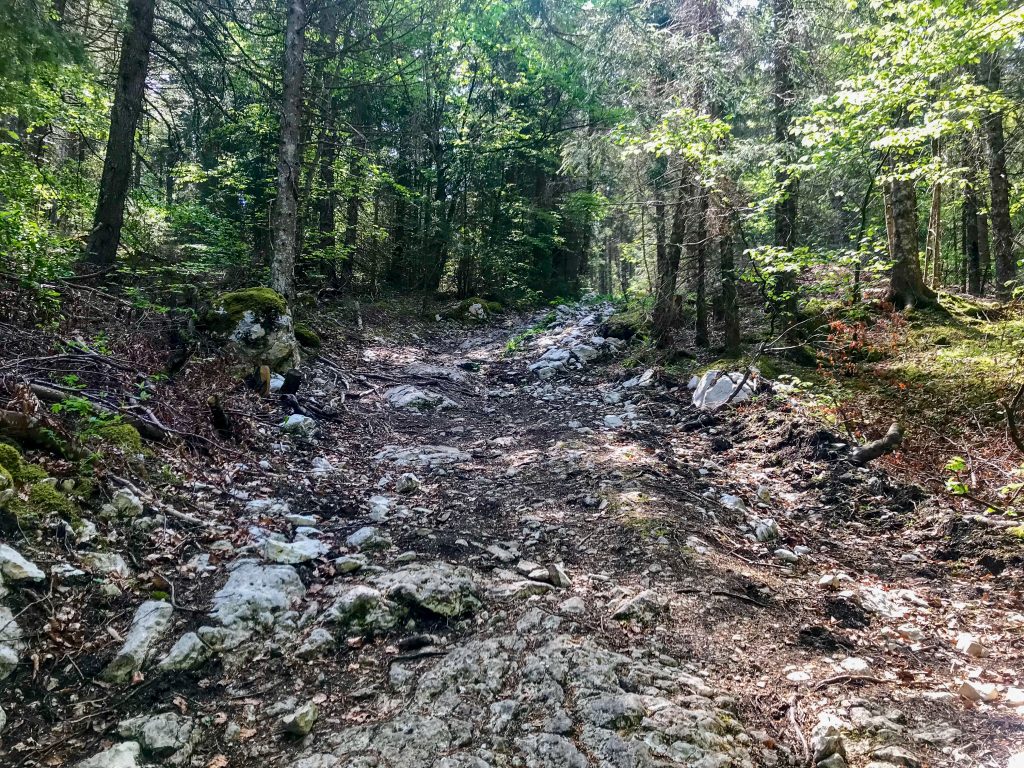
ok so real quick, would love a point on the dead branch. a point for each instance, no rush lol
(1010, 409)
(876, 448)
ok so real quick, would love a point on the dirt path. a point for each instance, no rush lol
(576, 570)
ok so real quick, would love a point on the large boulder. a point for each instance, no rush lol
(256, 323)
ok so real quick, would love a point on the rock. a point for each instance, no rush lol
(585, 353)
(188, 652)
(766, 530)
(3, 719)
(854, 664)
(975, 691)
(297, 424)
(735, 503)
(833, 580)
(151, 621)
(643, 381)
(321, 467)
(364, 609)
(12, 643)
(318, 643)
(716, 387)
(573, 606)
(407, 483)
(269, 507)
(349, 563)
(558, 576)
(161, 736)
(123, 504)
(413, 398)
(424, 455)
(826, 740)
(15, 567)
(123, 755)
(910, 633)
(107, 563)
(292, 552)
(255, 594)
(612, 421)
(501, 554)
(786, 556)
(439, 588)
(832, 761)
(300, 722)
(1014, 697)
(967, 643)
(895, 755)
(368, 539)
(380, 506)
(428, 371)
(643, 607)
(258, 325)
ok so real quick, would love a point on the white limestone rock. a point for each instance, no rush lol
(151, 621)
(15, 567)
(256, 594)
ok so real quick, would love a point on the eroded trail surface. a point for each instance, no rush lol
(542, 558)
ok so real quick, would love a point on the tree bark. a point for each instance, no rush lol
(906, 284)
(933, 244)
(786, 208)
(285, 218)
(972, 254)
(668, 256)
(105, 235)
(1002, 228)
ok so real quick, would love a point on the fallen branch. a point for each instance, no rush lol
(876, 448)
(847, 679)
(1010, 410)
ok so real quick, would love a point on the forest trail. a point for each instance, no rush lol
(474, 566)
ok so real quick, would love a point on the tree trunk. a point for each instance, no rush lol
(972, 254)
(983, 251)
(1002, 229)
(730, 304)
(786, 207)
(668, 257)
(906, 284)
(105, 235)
(353, 205)
(284, 221)
(933, 243)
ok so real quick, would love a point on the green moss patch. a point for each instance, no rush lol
(121, 435)
(306, 336)
(20, 471)
(266, 305)
(461, 311)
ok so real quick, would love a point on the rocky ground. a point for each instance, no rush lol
(531, 558)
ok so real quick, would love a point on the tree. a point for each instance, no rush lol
(284, 224)
(999, 182)
(105, 235)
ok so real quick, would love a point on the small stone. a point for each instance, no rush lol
(798, 677)
(123, 755)
(503, 555)
(967, 643)
(407, 483)
(160, 736)
(349, 563)
(558, 576)
(786, 555)
(318, 642)
(292, 552)
(188, 652)
(574, 605)
(910, 633)
(15, 567)
(321, 467)
(729, 501)
(151, 621)
(643, 606)
(1014, 697)
(612, 421)
(853, 664)
(766, 530)
(107, 563)
(368, 539)
(297, 424)
(974, 691)
(895, 755)
(300, 722)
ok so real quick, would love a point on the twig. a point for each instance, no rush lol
(794, 710)
(847, 678)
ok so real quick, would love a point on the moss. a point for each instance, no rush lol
(266, 304)
(159, 594)
(85, 488)
(626, 324)
(121, 435)
(10, 458)
(461, 311)
(31, 473)
(44, 499)
(6, 479)
(306, 336)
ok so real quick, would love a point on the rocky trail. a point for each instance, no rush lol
(535, 557)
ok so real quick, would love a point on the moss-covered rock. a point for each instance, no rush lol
(257, 323)
(120, 435)
(475, 308)
(625, 325)
(45, 500)
(6, 479)
(306, 336)
(10, 458)
(20, 471)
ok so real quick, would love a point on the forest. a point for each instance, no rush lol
(502, 383)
